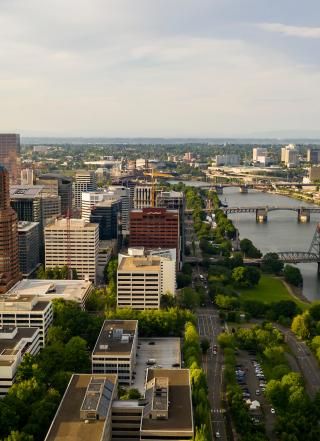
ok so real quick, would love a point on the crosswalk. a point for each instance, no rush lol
(217, 410)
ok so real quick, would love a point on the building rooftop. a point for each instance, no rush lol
(168, 387)
(48, 289)
(116, 337)
(75, 224)
(11, 342)
(165, 351)
(24, 226)
(10, 302)
(86, 396)
(147, 263)
(25, 191)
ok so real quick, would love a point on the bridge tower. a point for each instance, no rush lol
(315, 245)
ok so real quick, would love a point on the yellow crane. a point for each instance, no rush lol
(154, 175)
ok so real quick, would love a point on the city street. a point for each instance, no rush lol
(209, 326)
(306, 361)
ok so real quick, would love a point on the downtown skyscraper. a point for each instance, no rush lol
(10, 155)
(9, 248)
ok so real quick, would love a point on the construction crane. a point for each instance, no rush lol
(154, 175)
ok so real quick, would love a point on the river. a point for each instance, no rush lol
(282, 232)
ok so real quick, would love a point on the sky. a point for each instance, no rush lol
(162, 68)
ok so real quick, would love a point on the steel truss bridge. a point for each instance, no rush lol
(312, 255)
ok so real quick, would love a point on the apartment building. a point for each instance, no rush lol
(85, 180)
(45, 290)
(74, 242)
(26, 312)
(15, 342)
(115, 349)
(155, 228)
(143, 278)
(29, 247)
(85, 410)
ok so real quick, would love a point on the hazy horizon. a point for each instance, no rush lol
(169, 68)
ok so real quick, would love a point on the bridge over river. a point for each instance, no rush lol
(261, 212)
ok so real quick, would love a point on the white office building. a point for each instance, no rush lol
(26, 312)
(227, 160)
(85, 180)
(115, 350)
(71, 290)
(73, 242)
(143, 278)
(15, 342)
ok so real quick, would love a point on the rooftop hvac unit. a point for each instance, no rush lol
(117, 333)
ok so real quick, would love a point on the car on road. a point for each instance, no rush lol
(272, 410)
(257, 391)
(218, 434)
(214, 352)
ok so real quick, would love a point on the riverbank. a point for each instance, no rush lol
(273, 289)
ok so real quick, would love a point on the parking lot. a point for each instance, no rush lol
(166, 352)
(251, 379)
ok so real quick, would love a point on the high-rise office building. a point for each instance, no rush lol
(58, 186)
(313, 155)
(155, 228)
(85, 180)
(29, 247)
(289, 155)
(27, 176)
(142, 279)
(174, 200)
(108, 215)
(9, 249)
(142, 196)
(73, 242)
(33, 203)
(10, 155)
(124, 194)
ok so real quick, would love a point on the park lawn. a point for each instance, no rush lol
(270, 290)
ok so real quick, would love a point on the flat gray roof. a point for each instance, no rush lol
(166, 351)
(180, 417)
(11, 343)
(111, 339)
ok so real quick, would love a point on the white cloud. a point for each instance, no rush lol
(291, 31)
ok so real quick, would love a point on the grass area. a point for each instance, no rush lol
(270, 290)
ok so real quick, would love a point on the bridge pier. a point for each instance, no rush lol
(243, 189)
(303, 215)
(219, 189)
(261, 216)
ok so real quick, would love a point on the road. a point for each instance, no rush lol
(306, 360)
(209, 326)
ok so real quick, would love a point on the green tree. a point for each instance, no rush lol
(245, 276)
(302, 325)
(205, 345)
(271, 263)
(293, 275)
(249, 250)
(76, 355)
